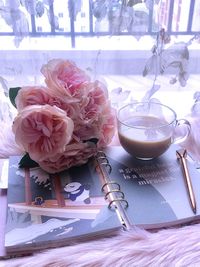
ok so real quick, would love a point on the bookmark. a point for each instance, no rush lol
(182, 155)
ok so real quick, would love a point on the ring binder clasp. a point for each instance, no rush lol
(101, 156)
(121, 200)
(110, 183)
(116, 191)
(111, 188)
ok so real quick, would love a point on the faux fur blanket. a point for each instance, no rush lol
(171, 247)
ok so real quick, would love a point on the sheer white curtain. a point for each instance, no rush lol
(107, 37)
(119, 42)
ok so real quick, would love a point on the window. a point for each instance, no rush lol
(98, 35)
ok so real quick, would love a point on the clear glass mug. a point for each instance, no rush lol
(147, 129)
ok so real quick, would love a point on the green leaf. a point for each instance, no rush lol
(92, 140)
(27, 162)
(13, 93)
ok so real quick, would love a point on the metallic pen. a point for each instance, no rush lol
(182, 155)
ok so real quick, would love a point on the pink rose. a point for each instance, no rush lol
(75, 154)
(86, 131)
(63, 78)
(42, 131)
(97, 118)
(71, 109)
(99, 93)
(32, 95)
(39, 95)
(103, 128)
(56, 123)
(97, 97)
(94, 96)
(107, 126)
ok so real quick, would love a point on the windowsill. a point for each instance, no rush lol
(116, 55)
(104, 43)
(179, 98)
(103, 62)
(119, 63)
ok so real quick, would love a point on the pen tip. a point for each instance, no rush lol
(194, 209)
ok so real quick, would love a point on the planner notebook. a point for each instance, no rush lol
(154, 191)
(46, 211)
(113, 191)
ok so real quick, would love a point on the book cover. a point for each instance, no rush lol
(155, 189)
(48, 211)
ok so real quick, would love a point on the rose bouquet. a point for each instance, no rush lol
(63, 123)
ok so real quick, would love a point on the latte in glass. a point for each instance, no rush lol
(147, 129)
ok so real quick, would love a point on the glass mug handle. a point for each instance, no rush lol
(182, 131)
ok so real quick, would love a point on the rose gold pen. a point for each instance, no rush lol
(182, 155)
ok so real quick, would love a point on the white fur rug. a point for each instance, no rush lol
(172, 247)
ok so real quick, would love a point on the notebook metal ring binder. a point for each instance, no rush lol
(105, 163)
(118, 200)
(114, 191)
(104, 158)
(110, 183)
(101, 153)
